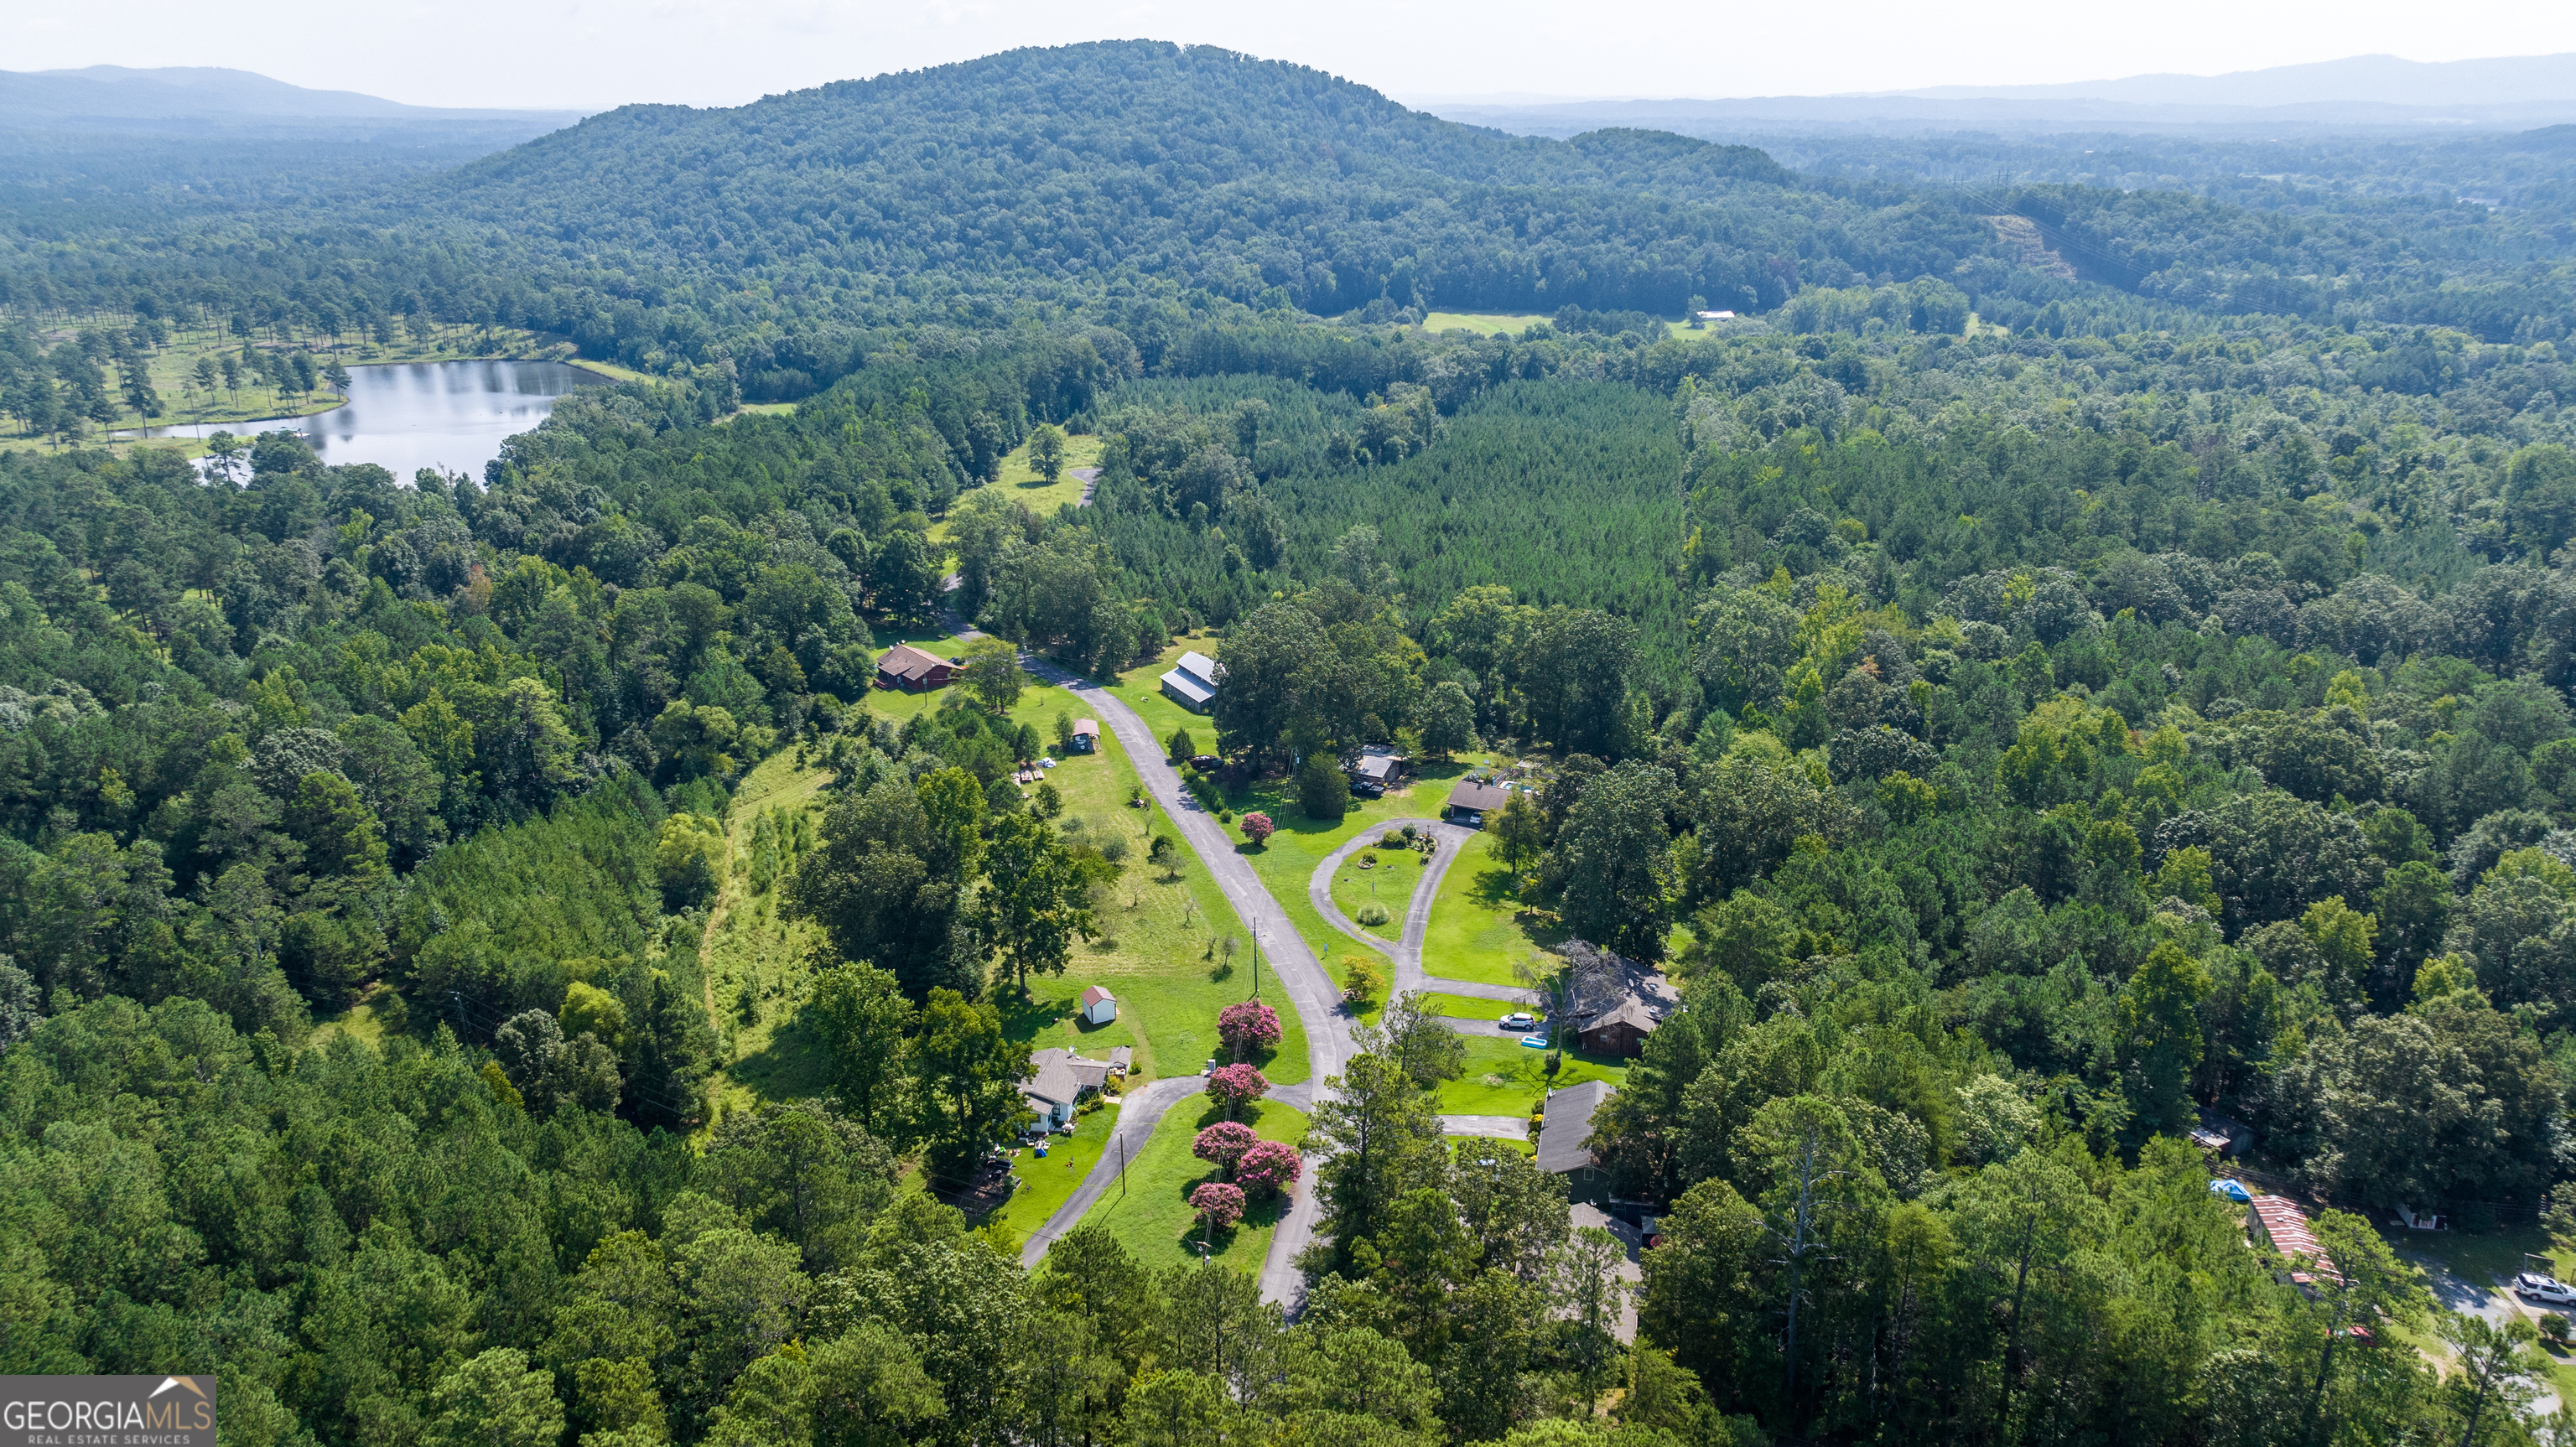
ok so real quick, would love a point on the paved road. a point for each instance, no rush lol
(1407, 951)
(1499, 1127)
(1293, 968)
(1143, 1110)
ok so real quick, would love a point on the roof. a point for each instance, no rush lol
(1477, 797)
(1200, 665)
(905, 661)
(1088, 1074)
(1567, 1124)
(1051, 1077)
(1189, 685)
(1630, 1011)
(1087, 727)
(1122, 1057)
(1380, 767)
(2287, 1227)
(1095, 995)
(1602, 985)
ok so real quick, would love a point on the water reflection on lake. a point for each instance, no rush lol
(409, 415)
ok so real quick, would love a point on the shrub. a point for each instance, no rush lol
(1372, 914)
(1181, 745)
(1223, 1144)
(1267, 1166)
(1247, 1027)
(1362, 979)
(1392, 839)
(1368, 857)
(1218, 1204)
(1257, 828)
(1236, 1086)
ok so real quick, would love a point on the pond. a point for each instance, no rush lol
(405, 416)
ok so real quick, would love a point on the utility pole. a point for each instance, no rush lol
(1122, 1168)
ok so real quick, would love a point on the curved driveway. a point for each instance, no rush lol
(1407, 952)
(1142, 1111)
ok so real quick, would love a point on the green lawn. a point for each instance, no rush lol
(1048, 1183)
(1152, 1217)
(1505, 1077)
(1141, 689)
(1463, 1007)
(1482, 323)
(1389, 883)
(1021, 484)
(757, 975)
(1477, 930)
(1158, 947)
(1154, 952)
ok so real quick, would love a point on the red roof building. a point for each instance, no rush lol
(2278, 1220)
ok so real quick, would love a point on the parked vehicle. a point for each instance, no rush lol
(2532, 1286)
(1519, 1020)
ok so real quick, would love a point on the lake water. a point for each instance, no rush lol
(405, 416)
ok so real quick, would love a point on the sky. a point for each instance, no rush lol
(592, 54)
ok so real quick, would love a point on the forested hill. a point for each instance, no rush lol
(1198, 164)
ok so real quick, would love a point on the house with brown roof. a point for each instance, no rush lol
(914, 669)
(2278, 1222)
(1469, 801)
(1612, 1002)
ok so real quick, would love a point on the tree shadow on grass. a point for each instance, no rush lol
(792, 1063)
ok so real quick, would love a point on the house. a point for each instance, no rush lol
(1612, 1002)
(1565, 1134)
(1717, 316)
(1382, 767)
(2279, 1221)
(1099, 1007)
(1469, 801)
(1122, 1059)
(1620, 1030)
(913, 669)
(1086, 735)
(1192, 685)
(1057, 1081)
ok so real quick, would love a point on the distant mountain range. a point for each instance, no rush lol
(112, 96)
(2515, 92)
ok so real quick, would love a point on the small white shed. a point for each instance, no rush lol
(1099, 1007)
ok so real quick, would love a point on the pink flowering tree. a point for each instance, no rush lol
(1223, 1144)
(1268, 1166)
(1218, 1204)
(1247, 1027)
(1256, 826)
(1236, 1086)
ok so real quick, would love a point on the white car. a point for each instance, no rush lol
(1519, 1020)
(2532, 1286)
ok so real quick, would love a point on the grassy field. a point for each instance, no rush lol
(1159, 950)
(1288, 862)
(1477, 929)
(757, 975)
(1482, 323)
(1046, 1183)
(1021, 484)
(1505, 1077)
(1388, 883)
(1459, 1007)
(1156, 951)
(1152, 1216)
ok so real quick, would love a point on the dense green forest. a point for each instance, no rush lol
(2026, 714)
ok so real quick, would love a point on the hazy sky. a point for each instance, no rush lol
(591, 54)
